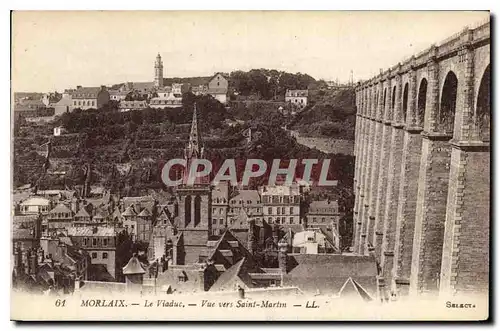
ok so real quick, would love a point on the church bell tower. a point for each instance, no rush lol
(158, 71)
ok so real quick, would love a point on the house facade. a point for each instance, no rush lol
(218, 87)
(99, 243)
(281, 204)
(297, 97)
(89, 97)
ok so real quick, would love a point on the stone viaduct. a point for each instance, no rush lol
(422, 176)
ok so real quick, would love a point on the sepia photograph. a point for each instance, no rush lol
(250, 165)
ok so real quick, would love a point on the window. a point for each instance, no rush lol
(182, 278)
(270, 220)
(94, 241)
(214, 221)
(278, 210)
(314, 219)
(214, 210)
(283, 210)
(105, 241)
(269, 210)
(104, 255)
(322, 220)
(94, 255)
(74, 103)
(291, 210)
(221, 221)
(291, 220)
(278, 220)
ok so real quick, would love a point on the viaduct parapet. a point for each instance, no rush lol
(422, 174)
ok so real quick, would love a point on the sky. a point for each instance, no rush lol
(55, 50)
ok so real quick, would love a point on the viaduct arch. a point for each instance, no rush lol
(422, 169)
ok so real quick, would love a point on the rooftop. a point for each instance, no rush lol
(88, 231)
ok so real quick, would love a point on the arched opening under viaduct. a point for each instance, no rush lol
(421, 102)
(483, 110)
(393, 102)
(405, 102)
(446, 117)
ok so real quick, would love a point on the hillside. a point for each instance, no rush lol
(127, 150)
(332, 114)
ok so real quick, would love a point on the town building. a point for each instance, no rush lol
(90, 97)
(118, 95)
(297, 97)
(125, 106)
(100, 244)
(281, 204)
(218, 87)
(324, 213)
(317, 241)
(29, 108)
(59, 130)
(59, 219)
(35, 205)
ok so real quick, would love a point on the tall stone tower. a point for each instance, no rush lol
(195, 198)
(158, 71)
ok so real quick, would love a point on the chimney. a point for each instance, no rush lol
(201, 276)
(38, 227)
(33, 262)
(19, 261)
(251, 235)
(276, 233)
(168, 248)
(78, 87)
(174, 255)
(261, 236)
(75, 205)
(283, 256)
(77, 284)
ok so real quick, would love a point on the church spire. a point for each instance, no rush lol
(194, 148)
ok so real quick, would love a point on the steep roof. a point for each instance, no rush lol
(248, 197)
(133, 104)
(133, 267)
(61, 208)
(85, 93)
(323, 206)
(82, 213)
(36, 201)
(297, 93)
(327, 273)
(88, 231)
(129, 211)
(227, 278)
(144, 213)
(351, 289)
